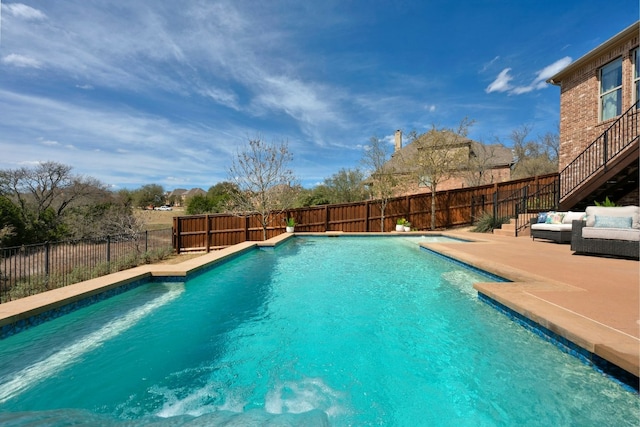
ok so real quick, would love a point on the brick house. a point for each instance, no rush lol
(599, 92)
(478, 164)
(180, 196)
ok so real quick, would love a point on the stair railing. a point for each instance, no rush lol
(523, 201)
(622, 133)
(544, 198)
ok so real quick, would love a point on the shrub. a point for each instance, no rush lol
(487, 223)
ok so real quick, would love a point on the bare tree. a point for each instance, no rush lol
(534, 157)
(480, 163)
(44, 193)
(440, 154)
(383, 179)
(265, 182)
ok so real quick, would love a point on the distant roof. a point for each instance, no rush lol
(622, 35)
(499, 155)
(195, 191)
(177, 192)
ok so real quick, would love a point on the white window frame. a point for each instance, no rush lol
(607, 94)
(635, 77)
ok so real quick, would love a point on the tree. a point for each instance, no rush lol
(480, 164)
(383, 181)
(440, 155)
(199, 204)
(534, 157)
(11, 224)
(43, 195)
(346, 186)
(319, 195)
(149, 195)
(104, 213)
(265, 182)
(220, 194)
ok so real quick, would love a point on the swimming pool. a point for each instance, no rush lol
(310, 329)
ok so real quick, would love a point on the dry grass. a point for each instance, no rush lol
(157, 220)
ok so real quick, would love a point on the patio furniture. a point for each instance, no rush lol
(613, 231)
(555, 226)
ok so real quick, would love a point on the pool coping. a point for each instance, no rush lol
(606, 342)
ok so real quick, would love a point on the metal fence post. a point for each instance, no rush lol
(495, 205)
(46, 261)
(109, 253)
(146, 241)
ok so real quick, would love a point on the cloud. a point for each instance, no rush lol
(549, 71)
(502, 82)
(21, 61)
(48, 142)
(486, 66)
(23, 11)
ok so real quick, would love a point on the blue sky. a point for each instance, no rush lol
(166, 92)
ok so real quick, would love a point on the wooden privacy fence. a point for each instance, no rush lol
(453, 208)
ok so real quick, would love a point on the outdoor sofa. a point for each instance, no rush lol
(611, 231)
(554, 226)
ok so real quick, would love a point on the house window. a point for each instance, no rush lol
(611, 90)
(636, 76)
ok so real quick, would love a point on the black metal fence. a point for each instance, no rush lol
(31, 269)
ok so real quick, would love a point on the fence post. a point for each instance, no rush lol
(326, 218)
(109, 253)
(146, 241)
(495, 205)
(177, 230)
(246, 228)
(46, 262)
(207, 239)
(367, 214)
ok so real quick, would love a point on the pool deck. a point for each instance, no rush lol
(592, 301)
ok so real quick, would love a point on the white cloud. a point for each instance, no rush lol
(21, 61)
(501, 83)
(23, 11)
(550, 71)
(486, 66)
(49, 142)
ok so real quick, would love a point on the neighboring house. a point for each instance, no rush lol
(175, 197)
(179, 196)
(599, 93)
(475, 164)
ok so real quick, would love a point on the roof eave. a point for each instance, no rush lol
(557, 78)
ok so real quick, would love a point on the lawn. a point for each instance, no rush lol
(157, 220)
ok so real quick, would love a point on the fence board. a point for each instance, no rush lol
(454, 208)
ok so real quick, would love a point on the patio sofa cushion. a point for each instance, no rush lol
(630, 234)
(556, 225)
(551, 227)
(618, 211)
(608, 231)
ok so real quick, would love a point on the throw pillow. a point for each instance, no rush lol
(555, 218)
(613, 221)
(542, 217)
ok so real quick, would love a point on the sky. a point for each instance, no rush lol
(169, 92)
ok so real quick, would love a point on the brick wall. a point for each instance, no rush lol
(580, 122)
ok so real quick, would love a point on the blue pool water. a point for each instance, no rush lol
(319, 331)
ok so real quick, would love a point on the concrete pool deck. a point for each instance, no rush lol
(592, 301)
